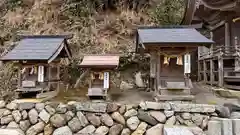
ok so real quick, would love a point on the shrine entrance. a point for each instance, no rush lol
(170, 61)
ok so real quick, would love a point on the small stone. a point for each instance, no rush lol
(155, 130)
(171, 121)
(235, 115)
(186, 116)
(58, 120)
(16, 115)
(75, 124)
(115, 130)
(6, 119)
(197, 119)
(168, 113)
(62, 108)
(2, 112)
(24, 114)
(122, 109)
(141, 129)
(39, 106)
(118, 118)
(63, 131)
(13, 124)
(24, 125)
(50, 110)
(144, 116)
(133, 122)
(35, 129)
(214, 128)
(106, 120)
(112, 107)
(82, 118)
(33, 116)
(6, 112)
(130, 113)
(204, 122)
(93, 119)
(12, 106)
(102, 130)
(159, 116)
(87, 130)
(223, 111)
(44, 116)
(48, 129)
(25, 106)
(69, 115)
(2, 104)
(126, 131)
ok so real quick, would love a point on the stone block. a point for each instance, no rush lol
(236, 126)
(177, 130)
(227, 128)
(199, 108)
(98, 107)
(154, 106)
(214, 127)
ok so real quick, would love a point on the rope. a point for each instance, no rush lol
(172, 56)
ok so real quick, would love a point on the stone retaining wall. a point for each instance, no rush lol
(101, 118)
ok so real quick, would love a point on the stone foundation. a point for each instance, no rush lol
(101, 118)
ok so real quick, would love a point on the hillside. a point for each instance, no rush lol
(98, 26)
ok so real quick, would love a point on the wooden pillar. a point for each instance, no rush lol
(153, 61)
(19, 77)
(211, 71)
(220, 71)
(237, 60)
(58, 77)
(204, 71)
(49, 76)
(227, 35)
(158, 68)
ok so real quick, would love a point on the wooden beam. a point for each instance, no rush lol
(19, 77)
(227, 35)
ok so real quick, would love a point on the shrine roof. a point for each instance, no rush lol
(37, 47)
(171, 36)
(100, 61)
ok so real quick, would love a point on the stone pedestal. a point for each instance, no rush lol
(236, 126)
(227, 128)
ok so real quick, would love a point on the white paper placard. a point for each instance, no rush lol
(41, 74)
(187, 63)
(106, 80)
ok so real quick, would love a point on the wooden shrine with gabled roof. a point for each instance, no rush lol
(170, 65)
(39, 59)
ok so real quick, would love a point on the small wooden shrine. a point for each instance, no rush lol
(99, 77)
(170, 63)
(39, 59)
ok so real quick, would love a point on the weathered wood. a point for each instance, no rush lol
(58, 77)
(227, 35)
(49, 76)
